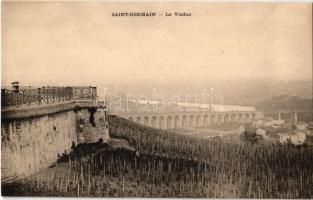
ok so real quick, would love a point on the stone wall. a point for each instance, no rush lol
(33, 143)
(91, 129)
(29, 145)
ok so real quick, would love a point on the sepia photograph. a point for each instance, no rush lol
(156, 99)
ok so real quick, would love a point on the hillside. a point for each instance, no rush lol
(164, 164)
(285, 103)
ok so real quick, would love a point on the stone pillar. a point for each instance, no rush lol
(147, 121)
(177, 122)
(162, 123)
(199, 121)
(192, 121)
(223, 119)
(209, 120)
(169, 122)
(296, 117)
(213, 121)
(180, 122)
(250, 117)
(139, 120)
(185, 121)
(154, 122)
(279, 116)
(205, 120)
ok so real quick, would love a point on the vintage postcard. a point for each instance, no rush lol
(156, 99)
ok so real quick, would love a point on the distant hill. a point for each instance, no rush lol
(285, 103)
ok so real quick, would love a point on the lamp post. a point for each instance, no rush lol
(221, 100)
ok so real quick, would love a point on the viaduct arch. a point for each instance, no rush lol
(191, 119)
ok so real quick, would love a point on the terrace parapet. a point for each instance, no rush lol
(45, 95)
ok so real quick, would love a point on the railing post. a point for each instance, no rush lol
(43, 91)
(21, 100)
(69, 93)
(58, 94)
(51, 91)
(39, 96)
(47, 94)
(3, 98)
(63, 94)
(94, 92)
(27, 99)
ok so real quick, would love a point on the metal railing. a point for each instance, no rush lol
(45, 95)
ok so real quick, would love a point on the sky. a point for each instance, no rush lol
(80, 43)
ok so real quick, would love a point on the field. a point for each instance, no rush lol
(209, 132)
(166, 164)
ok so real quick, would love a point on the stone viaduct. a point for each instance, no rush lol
(291, 116)
(172, 120)
(39, 125)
